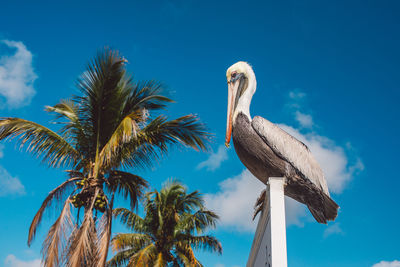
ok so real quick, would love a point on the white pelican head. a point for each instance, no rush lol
(241, 87)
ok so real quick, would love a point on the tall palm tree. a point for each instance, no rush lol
(111, 127)
(170, 230)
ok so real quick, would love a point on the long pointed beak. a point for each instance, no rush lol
(232, 89)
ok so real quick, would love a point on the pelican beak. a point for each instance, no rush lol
(232, 91)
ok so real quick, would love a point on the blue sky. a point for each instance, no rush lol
(327, 72)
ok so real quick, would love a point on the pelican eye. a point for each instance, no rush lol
(233, 75)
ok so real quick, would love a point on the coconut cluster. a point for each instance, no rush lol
(100, 203)
(81, 183)
(86, 194)
(78, 200)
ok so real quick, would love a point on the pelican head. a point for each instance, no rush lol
(241, 87)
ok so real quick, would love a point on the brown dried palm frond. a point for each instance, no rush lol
(56, 237)
(55, 194)
(103, 240)
(82, 245)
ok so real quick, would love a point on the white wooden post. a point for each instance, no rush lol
(269, 244)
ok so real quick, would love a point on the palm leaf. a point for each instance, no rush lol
(134, 241)
(105, 234)
(204, 242)
(130, 186)
(154, 140)
(42, 142)
(121, 258)
(130, 219)
(54, 240)
(56, 194)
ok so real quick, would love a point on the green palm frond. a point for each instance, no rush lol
(130, 219)
(134, 241)
(104, 89)
(41, 141)
(130, 186)
(200, 220)
(204, 242)
(121, 258)
(154, 140)
(72, 130)
(146, 96)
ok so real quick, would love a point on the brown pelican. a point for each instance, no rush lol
(268, 151)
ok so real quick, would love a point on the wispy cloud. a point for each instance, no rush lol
(394, 263)
(305, 120)
(16, 75)
(235, 200)
(10, 185)
(13, 261)
(214, 160)
(333, 229)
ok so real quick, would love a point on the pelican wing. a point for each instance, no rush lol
(291, 150)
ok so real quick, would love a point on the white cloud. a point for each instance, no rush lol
(214, 160)
(16, 75)
(297, 95)
(12, 261)
(387, 264)
(333, 229)
(10, 185)
(305, 120)
(235, 200)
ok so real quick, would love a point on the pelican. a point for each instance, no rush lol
(268, 151)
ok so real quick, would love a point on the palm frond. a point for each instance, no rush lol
(145, 257)
(160, 261)
(104, 89)
(204, 242)
(199, 221)
(154, 140)
(56, 194)
(186, 130)
(73, 131)
(186, 254)
(130, 219)
(130, 186)
(82, 244)
(134, 241)
(121, 258)
(104, 236)
(53, 243)
(146, 96)
(42, 142)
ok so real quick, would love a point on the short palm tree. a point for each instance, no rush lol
(109, 128)
(170, 230)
